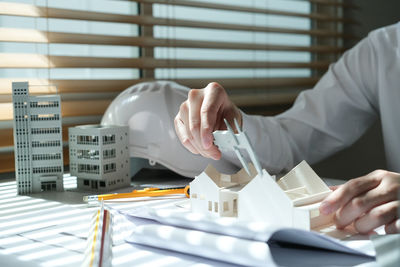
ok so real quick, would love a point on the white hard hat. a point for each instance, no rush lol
(149, 110)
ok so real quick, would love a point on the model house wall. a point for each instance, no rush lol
(99, 156)
(37, 141)
(293, 201)
(252, 194)
(262, 200)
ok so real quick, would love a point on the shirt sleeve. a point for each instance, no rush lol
(324, 120)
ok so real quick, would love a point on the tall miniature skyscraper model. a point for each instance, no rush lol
(37, 141)
(99, 156)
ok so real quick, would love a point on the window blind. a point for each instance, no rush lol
(85, 48)
(264, 52)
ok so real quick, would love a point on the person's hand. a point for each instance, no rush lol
(368, 202)
(201, 114)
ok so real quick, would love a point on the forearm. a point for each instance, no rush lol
(281, 142)
(270, 142)
(322, 121)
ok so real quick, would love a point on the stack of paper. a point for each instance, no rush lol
(230, 240)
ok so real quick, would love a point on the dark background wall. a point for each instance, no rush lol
(367, 154)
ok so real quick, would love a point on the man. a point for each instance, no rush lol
(362, 86)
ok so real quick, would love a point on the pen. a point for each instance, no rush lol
(98, 250)
(147, 192)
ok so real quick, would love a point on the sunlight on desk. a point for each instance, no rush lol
(35, 230)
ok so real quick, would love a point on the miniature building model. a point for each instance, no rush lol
(37, 141)
(99, 156)
(254, 195)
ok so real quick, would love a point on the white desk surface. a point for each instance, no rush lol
(50, 229)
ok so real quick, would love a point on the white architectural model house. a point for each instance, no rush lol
(254, 195)
(37, 141)
(99, 156)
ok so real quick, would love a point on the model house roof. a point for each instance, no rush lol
(230, 180)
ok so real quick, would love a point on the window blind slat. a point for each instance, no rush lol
(6, 135)
(95, 86)
(68, 108)
(314, 16)
(26, 10)
(98, 107)
(262, 99)
(44, 61)
(35, 11)
(243, 83)
(7, 162)
(36, 36)
(337, 3)
(70, 86)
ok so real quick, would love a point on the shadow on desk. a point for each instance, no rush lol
(289, 255)
(281, 254)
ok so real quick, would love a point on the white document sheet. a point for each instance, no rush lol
(203, 244)
(226, 239)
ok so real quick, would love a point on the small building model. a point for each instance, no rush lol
(252, 194)
(38, 145)
(99, 156)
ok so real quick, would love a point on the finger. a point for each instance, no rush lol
(393, 227)
(183, 135)
(361, 204)
(214, 152)
(214, 96)
(195, 100)
(194, 145)
(334, 187)
(381, 215)
(348, 191)
(188, 138)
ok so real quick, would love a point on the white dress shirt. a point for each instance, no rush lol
(362, 86)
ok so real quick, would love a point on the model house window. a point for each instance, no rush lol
(46, 169)
(87, 139)
(226, 206)
(111, 167)
(87, 154)
(45, 130)
(45, 143)
(45, 117)
(49, 186)
(216, 206)
(89, 168)
(209, 205)
(109, 153)
(44, 104)
(94, 184)
(109, 139)
(53, 156)
(235, 208)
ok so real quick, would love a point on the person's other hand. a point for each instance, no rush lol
(200, 115)
(368, 202)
